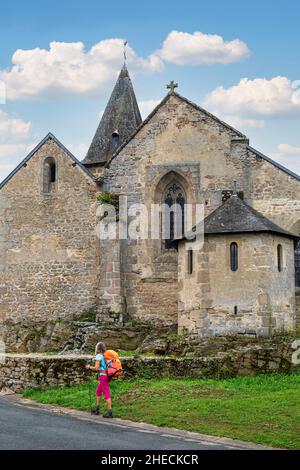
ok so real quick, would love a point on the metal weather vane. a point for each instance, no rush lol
(124, 51)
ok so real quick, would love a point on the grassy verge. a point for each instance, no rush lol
(263, 409)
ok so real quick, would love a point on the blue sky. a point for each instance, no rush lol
(238, 59)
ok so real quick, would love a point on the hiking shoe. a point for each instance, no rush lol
(95, 411)
(108, 414)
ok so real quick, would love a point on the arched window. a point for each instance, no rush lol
(297, 264)
(115, 140)
(174, 200)
(279, 258)
(234, 257)
(49, 175)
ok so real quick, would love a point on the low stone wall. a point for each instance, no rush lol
(18, 372)
(21, 371)
(77, 337)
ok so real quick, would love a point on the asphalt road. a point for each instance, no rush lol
(25, 428)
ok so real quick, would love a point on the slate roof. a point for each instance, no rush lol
(236, 216)
(49, 136)
(122, 115)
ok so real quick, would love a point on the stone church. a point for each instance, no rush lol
(243, 280)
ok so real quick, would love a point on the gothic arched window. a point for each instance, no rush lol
(297, 264)
(174, 201)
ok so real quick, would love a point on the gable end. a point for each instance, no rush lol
(269, 160)
(32, 153)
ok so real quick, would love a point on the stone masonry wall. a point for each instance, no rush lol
(184, 144)
(274, 193)
(20, 372)
(178, 144)
(264, 298)
(49, 252)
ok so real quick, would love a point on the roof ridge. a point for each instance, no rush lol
(273, 162)
(157, 107)
(264, 224)
(211, 115)
(260, 215)
(51, 136)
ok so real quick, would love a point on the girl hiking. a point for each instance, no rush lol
(103, 386)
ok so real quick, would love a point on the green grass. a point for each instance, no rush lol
(263, 409)
(123, 353)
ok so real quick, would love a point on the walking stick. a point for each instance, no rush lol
(90, 392)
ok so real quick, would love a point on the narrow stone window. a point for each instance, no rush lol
(52, 172)
(190, 260)
(49, 175)
(297, 264)
(234, 257)
(279, 258)
(115, 141)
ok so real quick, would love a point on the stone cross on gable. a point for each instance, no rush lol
(172, 85)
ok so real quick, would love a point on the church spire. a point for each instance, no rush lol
(120, 120)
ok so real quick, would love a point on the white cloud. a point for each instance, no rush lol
(241, 123)
(288, 149)
(11, 151)
(78, 150)
(11, 155)
(289, 156)
(198, 48)
(12, 128)
(147, 106)
(257, 97)
(66, 68)
(15, 142)
(2, 92)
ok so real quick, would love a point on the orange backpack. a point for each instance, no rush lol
(114, 366)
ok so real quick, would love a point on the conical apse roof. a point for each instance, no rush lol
(120, 120)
